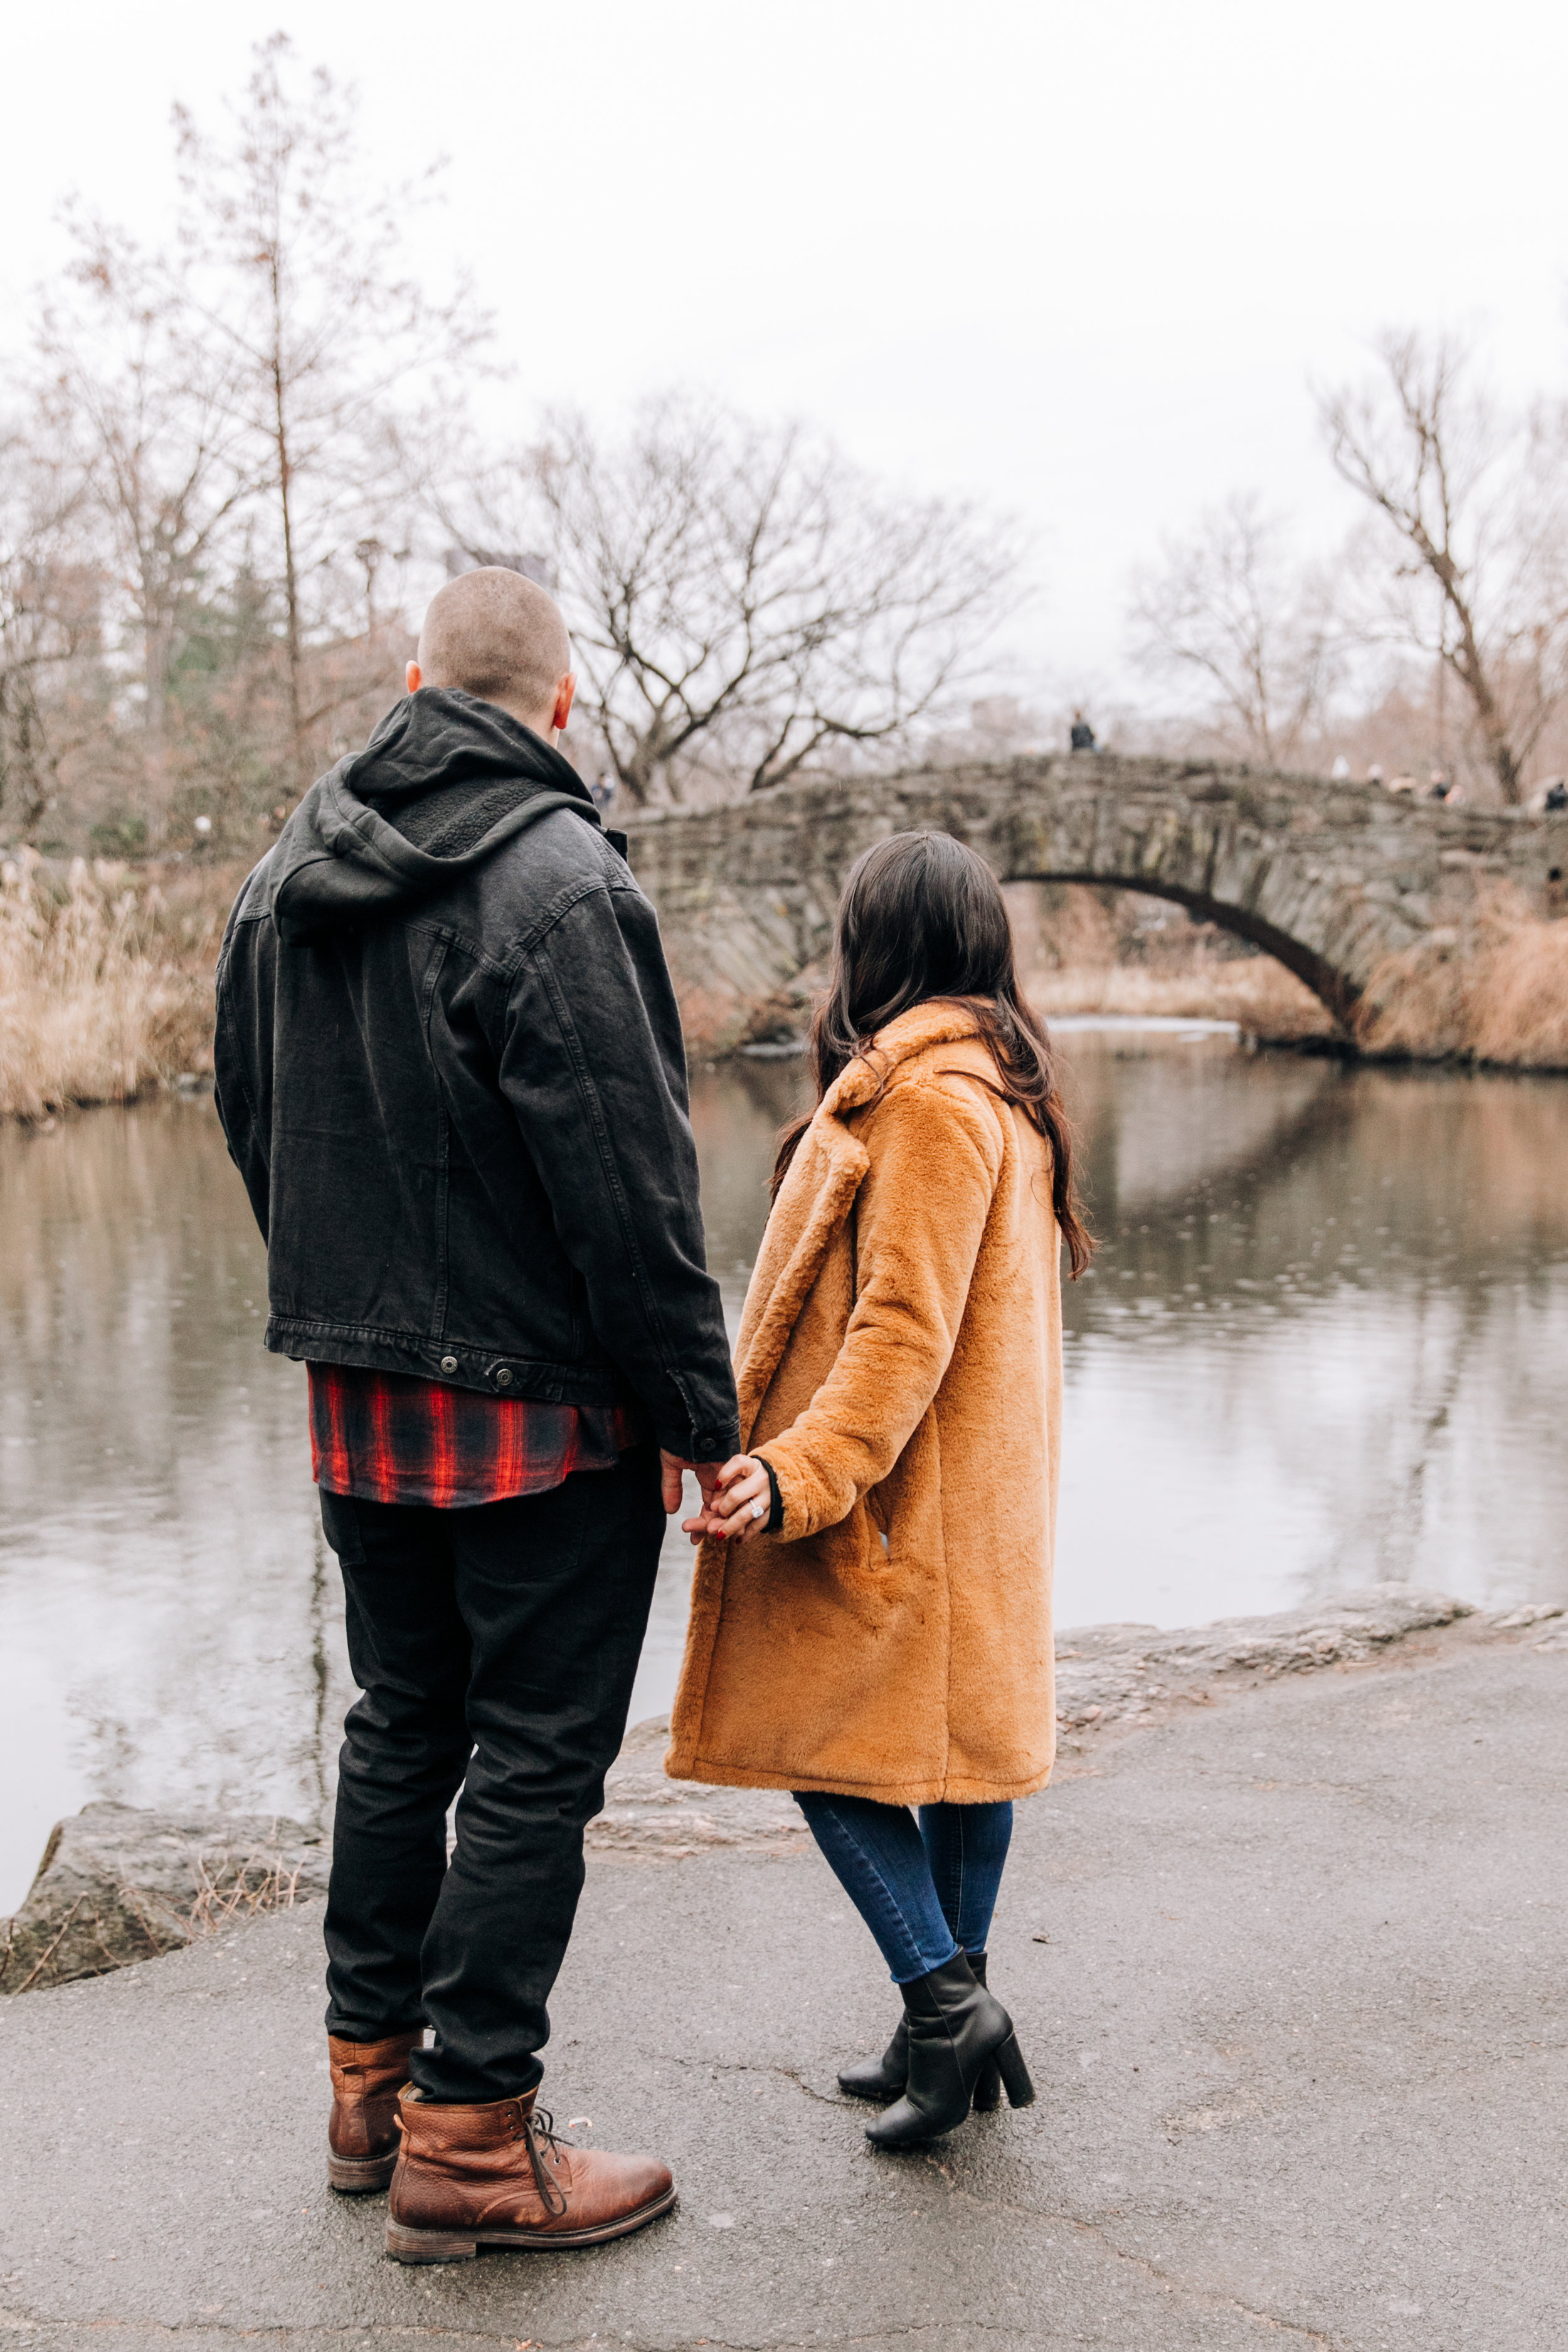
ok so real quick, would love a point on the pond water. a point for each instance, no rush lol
(1322, 1343)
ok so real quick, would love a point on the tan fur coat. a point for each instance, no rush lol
(900, 1366)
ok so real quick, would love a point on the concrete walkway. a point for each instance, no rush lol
(1289, 1969)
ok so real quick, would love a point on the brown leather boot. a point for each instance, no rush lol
(362, 2137)
(498, 2176)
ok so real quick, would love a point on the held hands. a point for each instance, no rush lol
(736, 1505)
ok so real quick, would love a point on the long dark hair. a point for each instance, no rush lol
(923, 918)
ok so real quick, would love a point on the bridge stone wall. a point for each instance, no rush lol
(1329, 878)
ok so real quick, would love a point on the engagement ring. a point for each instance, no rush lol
(757, 1511)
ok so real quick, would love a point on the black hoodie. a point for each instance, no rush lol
(450, 1071)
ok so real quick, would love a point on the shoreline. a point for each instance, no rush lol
(187, 1085)
(1319, 1045)
(143, 1032)
(119, 1886)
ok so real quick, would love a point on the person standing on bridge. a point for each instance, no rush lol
(884, 1641)
(449, 1067)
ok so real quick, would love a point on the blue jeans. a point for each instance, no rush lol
(925, 1892)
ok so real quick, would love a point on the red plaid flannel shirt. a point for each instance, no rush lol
(391, 1437)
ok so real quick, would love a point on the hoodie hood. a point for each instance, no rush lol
(438, 757)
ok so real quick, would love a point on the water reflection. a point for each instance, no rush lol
(170, 1626)
(1321, 1344)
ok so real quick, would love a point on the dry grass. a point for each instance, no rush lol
(1253, 991)
(261, 1883)
(1089, 950)
(1499, 996)
(105, 983)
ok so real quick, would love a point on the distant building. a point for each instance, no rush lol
(997, 714)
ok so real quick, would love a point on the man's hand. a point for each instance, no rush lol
(671, 1467)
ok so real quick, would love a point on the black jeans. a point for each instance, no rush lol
(496, 1648)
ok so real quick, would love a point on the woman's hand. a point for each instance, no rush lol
(740, 1506)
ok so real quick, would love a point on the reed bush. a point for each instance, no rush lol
(1498, 994)
(105, 981)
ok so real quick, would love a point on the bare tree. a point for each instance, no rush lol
(1470, 561)
(295, 276)
(51, 594)
(740, 598)
(144, 405)
(1231, 609)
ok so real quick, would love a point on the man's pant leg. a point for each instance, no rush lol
(554, 1591)
(406, 1746)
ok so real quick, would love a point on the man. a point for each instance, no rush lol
(449, 1068)
(1081, 734)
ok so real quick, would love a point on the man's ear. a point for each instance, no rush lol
(413, 677)
(565, 687)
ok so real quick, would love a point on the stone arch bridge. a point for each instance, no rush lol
(1331, 878)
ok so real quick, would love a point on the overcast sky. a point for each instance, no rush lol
(1078, 263)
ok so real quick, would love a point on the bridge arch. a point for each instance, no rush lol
(1244, 922)
(1329, 877)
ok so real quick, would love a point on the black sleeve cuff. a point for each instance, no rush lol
(775, 1517)
(702, 1445)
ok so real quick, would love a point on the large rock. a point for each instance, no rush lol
(1105, 1673)
(118, 1883)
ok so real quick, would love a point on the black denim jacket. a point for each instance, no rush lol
(450, 1070)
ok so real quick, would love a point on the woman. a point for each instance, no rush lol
(870, 1621)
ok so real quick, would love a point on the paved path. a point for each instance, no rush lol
(1299, 2027)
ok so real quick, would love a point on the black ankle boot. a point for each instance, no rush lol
(988, 2090)
(955, 2029)
(880, 2078)
(884, 2078)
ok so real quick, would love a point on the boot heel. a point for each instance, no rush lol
(361, 2176)
(988, 2090)
(406, 2245)
(1015, 2073)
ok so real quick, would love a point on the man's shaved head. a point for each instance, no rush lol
(495, 635)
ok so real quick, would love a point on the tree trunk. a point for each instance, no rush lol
(291, 570)
(1471, 672)
(23, 782)
(156, 647)
(290, 593)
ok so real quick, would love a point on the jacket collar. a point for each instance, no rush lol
(819, 1192)
(937, 1022)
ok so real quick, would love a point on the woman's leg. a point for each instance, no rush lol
(878, 1857)
(966, 1846)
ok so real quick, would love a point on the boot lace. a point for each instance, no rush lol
(538, 2128)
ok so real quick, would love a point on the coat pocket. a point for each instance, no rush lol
(857, 1550)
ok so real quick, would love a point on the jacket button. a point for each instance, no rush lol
(449, 1363)
(503, 1377)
